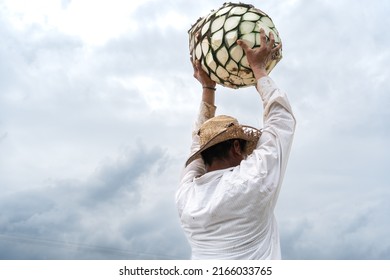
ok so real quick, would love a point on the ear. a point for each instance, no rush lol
(237, 147)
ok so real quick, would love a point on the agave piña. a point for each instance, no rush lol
(213, 41)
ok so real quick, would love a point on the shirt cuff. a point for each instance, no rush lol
(265, 86)
(206, 111)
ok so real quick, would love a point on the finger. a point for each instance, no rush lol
(197, 36)
(277, 47)
(263, 38)
(271, 39)
(193, 64)
(243, 45)
(276, 51)
(192, 61)
(198, 66)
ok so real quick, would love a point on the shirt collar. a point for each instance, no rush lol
(211, 176)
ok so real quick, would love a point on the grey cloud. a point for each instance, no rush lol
(353, 234)
(123, 175)
(3, 135)
(103, 216)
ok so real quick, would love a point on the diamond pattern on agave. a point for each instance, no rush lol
(213, 41)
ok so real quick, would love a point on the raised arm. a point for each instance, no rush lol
(271, 154)
(208, 85)
(206, 111)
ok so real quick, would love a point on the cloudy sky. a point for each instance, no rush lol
(97, 102)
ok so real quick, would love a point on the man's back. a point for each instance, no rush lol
(228, 217)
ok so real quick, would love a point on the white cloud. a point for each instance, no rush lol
(95, 22)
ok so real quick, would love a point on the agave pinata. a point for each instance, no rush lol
(213, 41)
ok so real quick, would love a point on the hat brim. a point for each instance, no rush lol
(245, 132)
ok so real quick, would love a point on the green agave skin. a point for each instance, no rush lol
(213, 41)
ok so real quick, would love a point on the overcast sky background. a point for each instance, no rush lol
(97, 103)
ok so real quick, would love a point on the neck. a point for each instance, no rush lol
(219, 164)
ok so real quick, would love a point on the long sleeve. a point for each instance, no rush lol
(206, 111)
(268, 161)
(196, 168)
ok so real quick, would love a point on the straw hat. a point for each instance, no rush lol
(223, 128)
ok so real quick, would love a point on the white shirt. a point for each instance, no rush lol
(229, 213)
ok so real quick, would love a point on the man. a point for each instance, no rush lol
(230, 185)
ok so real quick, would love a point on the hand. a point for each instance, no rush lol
(208, 95)
(258, 58)
(201, 75)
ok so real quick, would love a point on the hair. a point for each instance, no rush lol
(220, 150)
